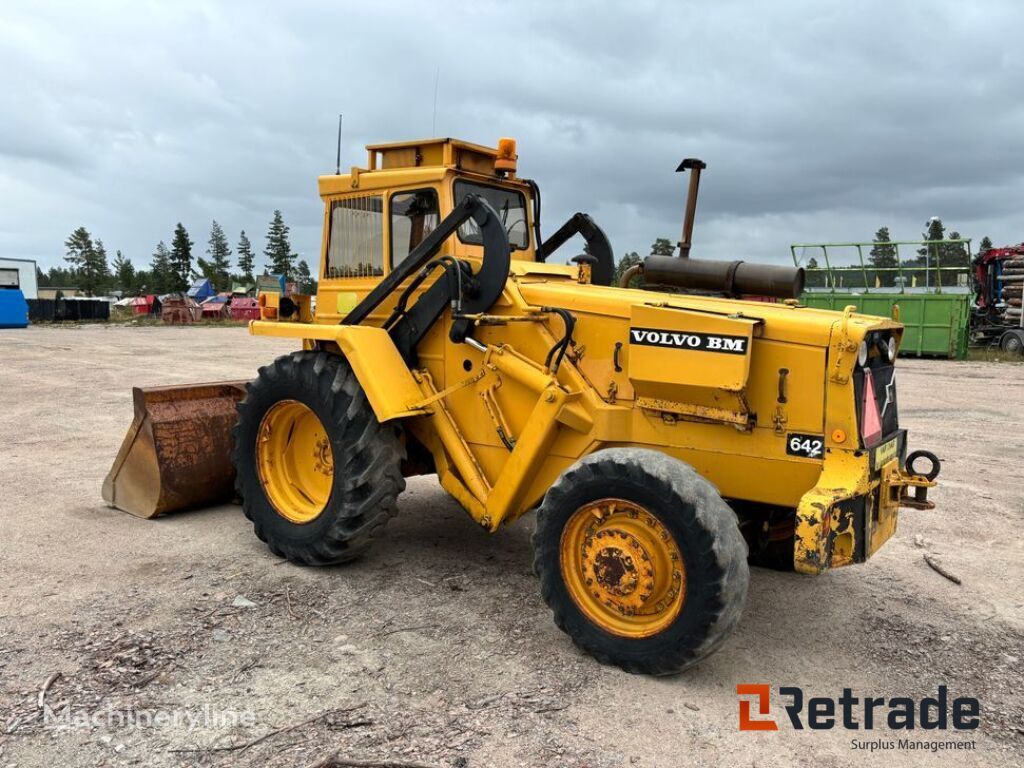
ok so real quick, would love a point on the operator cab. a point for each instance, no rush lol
(376, 216)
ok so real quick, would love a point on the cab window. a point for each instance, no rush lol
(414, 215)
(355, 246)
(510, 205)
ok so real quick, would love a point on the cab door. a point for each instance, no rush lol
(365, 236)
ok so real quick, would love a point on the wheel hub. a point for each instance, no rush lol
(623, 568)
(614, 571)
(295, 460)
(324, 457)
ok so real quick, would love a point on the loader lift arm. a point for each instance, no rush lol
(600, 247)
(465, 292)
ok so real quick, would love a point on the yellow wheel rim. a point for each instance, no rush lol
(623, 568)
(295, 461)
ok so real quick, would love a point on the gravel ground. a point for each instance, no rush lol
(183, 641)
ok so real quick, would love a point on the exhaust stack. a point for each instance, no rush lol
(695, 166)
(732, 278)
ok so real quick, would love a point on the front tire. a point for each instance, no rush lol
(319, 476)
(640, 560)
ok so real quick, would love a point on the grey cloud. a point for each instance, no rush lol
(818, 121)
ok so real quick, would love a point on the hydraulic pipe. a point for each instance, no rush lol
(629, 274)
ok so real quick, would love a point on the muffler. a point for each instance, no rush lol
(733, 278)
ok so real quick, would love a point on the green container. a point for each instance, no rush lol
(937, 324)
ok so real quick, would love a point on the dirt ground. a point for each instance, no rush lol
(436, 647)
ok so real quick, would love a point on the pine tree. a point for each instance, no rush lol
(79, 247)
(303, 277)
(181, 259)
(88, 260)
(953, 255)
(883, 257)
(278, 251)
(936, 232)
(98, 269)
(218, 268)
(928, 254)
(161, 271)
(662, 247)
(143, 281)
(246, 259)
(124, 273)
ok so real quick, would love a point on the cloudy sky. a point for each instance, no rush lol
(818, 120)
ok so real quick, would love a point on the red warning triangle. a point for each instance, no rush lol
(871, 424)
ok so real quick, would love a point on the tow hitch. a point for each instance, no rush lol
(915, 479)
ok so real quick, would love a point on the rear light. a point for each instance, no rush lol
(870, 418)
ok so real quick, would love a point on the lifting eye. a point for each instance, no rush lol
(928, 456)
(467, 365)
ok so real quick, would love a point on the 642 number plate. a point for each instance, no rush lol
(807, 446)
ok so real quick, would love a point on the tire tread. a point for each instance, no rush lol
(364, 498)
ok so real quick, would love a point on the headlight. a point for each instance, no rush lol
(891, 348)
(862, 354)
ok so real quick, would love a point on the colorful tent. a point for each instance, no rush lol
(201, 290)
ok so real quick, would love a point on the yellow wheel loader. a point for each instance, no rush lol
(665, 435)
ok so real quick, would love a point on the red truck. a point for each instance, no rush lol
(998, 282)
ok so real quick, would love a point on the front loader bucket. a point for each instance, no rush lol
(177, 453)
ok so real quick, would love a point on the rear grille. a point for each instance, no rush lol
(885, 394)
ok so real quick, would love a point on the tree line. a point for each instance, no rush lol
(172, 269)
(938, 250)
(883, 259)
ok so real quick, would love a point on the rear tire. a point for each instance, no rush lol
(1012, 342)
(362, 468)
(623, 495)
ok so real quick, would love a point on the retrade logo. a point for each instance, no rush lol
(855, 713)
(761, 697)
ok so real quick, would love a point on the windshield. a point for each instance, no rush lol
(511, 208)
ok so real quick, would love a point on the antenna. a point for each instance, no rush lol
(337, 164)
(433, 124)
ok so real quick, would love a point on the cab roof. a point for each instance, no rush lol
(399, 163)
(447, 153)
